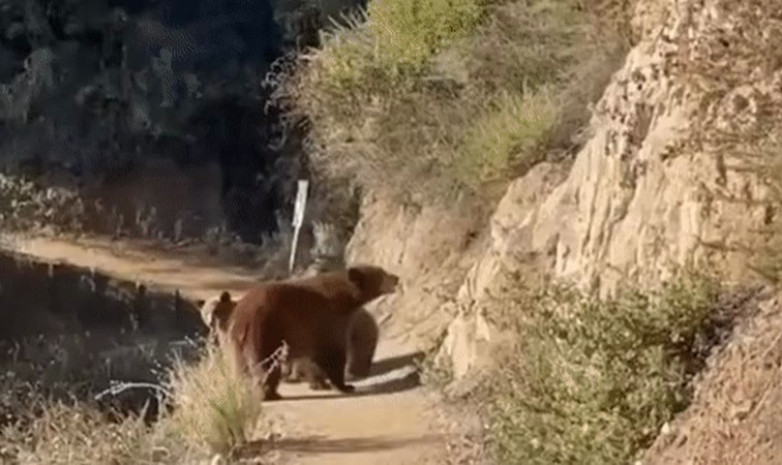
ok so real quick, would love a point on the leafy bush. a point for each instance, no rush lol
(592, 382)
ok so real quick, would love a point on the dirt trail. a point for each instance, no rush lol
(389, 421)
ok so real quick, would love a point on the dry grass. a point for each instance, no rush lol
(214, 411)
(80, 435)
(428, 108)
(592, 382)
(406, 33)
(64, 368)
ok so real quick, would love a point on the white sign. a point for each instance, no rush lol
(301, 203)
(298, 219)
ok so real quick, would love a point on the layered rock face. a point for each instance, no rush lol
(647, 193)
(662, 181)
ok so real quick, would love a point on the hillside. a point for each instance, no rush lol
(674, 171)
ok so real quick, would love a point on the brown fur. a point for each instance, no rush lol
(363, 335)
(312, 315)
(362, 340)
(216, 314)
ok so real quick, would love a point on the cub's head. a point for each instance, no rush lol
(216, 312)
(372, 281)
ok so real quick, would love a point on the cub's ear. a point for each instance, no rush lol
(356, 276)
(200, 302)
(225, 297)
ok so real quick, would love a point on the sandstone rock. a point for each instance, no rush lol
(430, 249)
(645, 194)
(466, 340)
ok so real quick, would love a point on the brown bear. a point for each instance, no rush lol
(363, 333)
(311, 315)
(363, 336)
(216, 313)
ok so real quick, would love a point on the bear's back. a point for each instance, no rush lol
(326, 292)
(297, 310)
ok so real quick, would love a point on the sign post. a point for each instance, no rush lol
(298, 219)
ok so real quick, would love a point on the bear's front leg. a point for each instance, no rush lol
(332, 361)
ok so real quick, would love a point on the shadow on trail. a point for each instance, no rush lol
(403, 382)
(387, 365)
(322, 445)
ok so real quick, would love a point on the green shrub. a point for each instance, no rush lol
(432, 99)
(513, 132)
(406, 33)
(592, 382)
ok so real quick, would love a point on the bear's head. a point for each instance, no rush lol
(372, 281)
(216, 311)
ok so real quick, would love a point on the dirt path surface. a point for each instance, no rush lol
(389, 421)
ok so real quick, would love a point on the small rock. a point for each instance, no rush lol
(739, 411)
(666, 429)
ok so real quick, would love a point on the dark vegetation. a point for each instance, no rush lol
(68, 332)
(97, 370)
(148, 119)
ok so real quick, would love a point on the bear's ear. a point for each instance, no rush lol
(356, 276)
(200, 303)
(225, 297)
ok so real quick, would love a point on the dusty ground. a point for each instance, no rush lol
(391, 420)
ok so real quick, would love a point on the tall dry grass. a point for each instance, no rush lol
(216, 408)
(212, 410)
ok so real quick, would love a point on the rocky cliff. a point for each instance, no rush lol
(668, 177)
